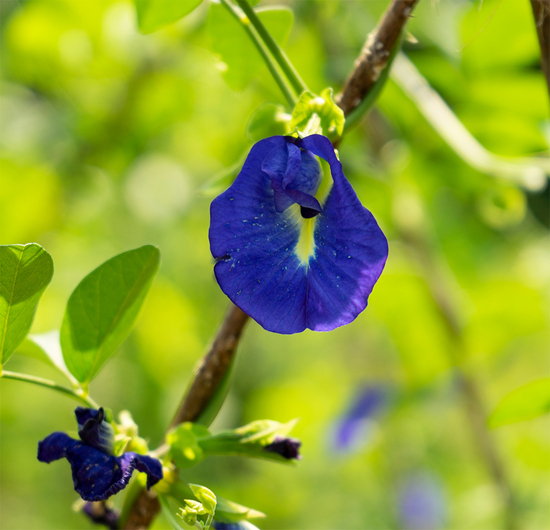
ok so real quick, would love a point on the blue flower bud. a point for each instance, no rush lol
(288, 448)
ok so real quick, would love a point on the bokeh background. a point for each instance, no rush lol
(112, 139)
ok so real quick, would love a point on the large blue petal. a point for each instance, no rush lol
(287, 272)
(55, 446)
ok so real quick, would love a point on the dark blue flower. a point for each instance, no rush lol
(288, 448)
(288, 258)
(97, 473)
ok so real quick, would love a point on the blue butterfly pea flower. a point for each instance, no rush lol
(97, 473)
(289, 259)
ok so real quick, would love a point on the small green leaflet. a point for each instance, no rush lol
(103, 308)
(155, 14)
(25, 271)
(239, 59)
(318, 115)
(524, 403)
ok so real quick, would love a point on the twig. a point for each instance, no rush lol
(375, 54)
(368, 67)
(441, 284)
(529, 172)
(541, 12)
(213, 367)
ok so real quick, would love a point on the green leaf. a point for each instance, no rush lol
(240, 61)
(25, 271)
(155, 14)
(525, 403)
(268, 120)
(46, 348)
(184, 444)
(318, 115)
(103, 308)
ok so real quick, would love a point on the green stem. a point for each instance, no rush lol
(87, 400)
(286, 66)
(271, 65)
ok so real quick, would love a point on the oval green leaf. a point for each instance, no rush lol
(25, 271)
(155, 14)
(103, 308)
(524, 403)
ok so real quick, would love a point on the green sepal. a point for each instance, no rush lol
(25, 270)
(249, 440)
(205, 497)
(184, 442)
(318, 115)
(230, 512)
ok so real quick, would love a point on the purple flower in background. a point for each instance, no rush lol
(288, 448)
(352, 430)
(97, 473)
(422, 503)
(288, 259)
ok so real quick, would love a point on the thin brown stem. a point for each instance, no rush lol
(213, 367)
(541, 12)
(375, 54)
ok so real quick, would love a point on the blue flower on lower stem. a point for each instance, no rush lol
(287, 258)
(97, 473)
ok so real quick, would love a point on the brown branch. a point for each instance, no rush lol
(145, 509)
(374, 56)
(541, 12)
(368, 66)
(213, 367)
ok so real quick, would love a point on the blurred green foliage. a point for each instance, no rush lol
(107, 138)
